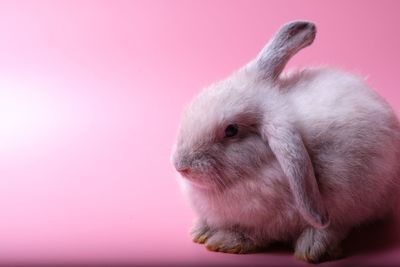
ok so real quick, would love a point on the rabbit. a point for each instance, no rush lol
(301, 157)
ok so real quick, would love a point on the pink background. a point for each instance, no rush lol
(90, 98)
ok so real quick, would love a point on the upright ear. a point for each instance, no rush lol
(287, 145)
(289, 39)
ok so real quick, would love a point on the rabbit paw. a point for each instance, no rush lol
(200, 232)
(316, 245)
(228, 241)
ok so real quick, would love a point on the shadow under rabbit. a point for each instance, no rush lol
(374, 237)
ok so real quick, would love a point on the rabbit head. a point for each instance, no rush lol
(235, 127)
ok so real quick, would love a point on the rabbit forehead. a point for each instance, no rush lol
(225, 102)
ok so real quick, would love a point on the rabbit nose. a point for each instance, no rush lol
(181, 164)
(183, 170)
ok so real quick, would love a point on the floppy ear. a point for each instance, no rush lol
(287, 145)
(289, 39)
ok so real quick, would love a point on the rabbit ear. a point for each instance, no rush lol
(290, 39)
(287, 145)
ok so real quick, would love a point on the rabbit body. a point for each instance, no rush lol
(316, 153)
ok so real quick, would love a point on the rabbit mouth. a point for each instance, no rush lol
(195, 178)
(205, 180)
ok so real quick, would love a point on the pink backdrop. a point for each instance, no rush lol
(90, 98)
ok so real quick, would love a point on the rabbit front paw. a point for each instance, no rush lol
(229, 241)
(200, 232)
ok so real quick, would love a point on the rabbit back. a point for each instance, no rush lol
(353, 138)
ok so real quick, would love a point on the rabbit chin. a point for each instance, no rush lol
(200, 180)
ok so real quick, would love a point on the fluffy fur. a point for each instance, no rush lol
(315, 155)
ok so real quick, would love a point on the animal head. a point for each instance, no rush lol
(236, 126)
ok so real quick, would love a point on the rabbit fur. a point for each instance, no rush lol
(316, 153)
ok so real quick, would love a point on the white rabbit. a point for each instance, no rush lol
(301, 157)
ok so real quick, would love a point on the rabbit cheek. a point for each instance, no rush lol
(247, 156)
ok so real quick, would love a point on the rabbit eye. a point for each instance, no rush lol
(231, 130)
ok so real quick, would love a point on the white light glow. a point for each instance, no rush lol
(25, 115)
